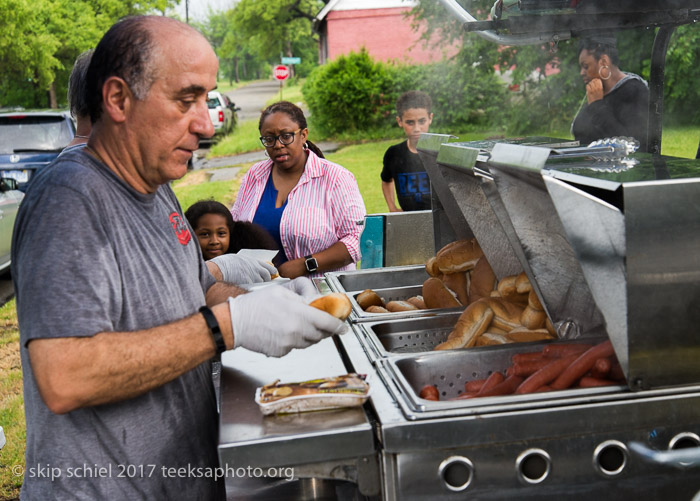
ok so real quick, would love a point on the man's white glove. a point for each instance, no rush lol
(304, 287)
(275, 320)
(243, 269)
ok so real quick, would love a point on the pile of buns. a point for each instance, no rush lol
(495, 312)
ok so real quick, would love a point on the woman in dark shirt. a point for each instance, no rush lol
(616, 103)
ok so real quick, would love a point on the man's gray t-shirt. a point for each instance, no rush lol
(90, 254)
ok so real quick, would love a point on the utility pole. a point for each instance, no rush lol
(187, 11)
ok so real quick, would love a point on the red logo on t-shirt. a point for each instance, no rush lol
(180, 227)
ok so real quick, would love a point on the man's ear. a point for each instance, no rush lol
(116, 97)
(398, 121)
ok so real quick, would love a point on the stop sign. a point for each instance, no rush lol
(281, 72)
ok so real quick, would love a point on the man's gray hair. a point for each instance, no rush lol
(128, 50)
(77, 93)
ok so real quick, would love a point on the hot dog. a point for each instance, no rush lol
(593, 382)
(601, 368)
(429, 392)
(545, 375)
(508, 386)
(562, 350)
(474, 385)
(494, 379)
(582, 364)
(526, 369)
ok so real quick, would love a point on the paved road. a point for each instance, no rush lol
(251, 98)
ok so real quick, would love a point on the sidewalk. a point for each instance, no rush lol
(226, 168)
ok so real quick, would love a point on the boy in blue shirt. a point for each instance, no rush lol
(403, 172)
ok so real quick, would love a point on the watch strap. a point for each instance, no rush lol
(214, 329)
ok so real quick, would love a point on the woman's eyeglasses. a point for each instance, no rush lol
(285, 138)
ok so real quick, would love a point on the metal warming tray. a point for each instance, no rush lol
(393, 283)
(449, 370)
(392, 337)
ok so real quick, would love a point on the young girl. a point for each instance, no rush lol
(219, 234)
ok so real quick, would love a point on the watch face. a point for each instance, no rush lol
(311, 264)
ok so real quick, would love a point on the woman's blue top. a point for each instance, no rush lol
(268, 216)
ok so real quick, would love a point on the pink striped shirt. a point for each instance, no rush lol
(323, 208)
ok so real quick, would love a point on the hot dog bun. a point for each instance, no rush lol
(506, 315)
(431, 267)
(482, 280)
(376, 309)
(471, 324)
(335, 303)
(491, 338)
(461, 255)
(417, 301)
(508, 290)
(522, 334)
(368, 298)
(459, 284)
(436, 295)
(522, 283)
(532, 319)
(395, 306)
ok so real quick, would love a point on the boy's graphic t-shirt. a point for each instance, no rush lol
(410, 179)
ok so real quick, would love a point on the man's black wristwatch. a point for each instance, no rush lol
(310, 263)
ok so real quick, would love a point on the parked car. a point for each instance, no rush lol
(222, 113)
(30, 140)
(10, 198)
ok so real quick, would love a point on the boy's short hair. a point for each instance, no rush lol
(413, 99)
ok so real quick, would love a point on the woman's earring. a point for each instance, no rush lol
(600, 73)
(267, 154)
(306, 146)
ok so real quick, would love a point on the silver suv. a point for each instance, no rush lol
(10, 198)
(30, 140)
(222, 113)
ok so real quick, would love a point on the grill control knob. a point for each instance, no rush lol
(457, 472)
(533, 466)
(610, 458)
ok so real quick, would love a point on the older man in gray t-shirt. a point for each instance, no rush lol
(119, 316)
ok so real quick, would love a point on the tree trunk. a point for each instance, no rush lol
(235, 69)
(53, 104)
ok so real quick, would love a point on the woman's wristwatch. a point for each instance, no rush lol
(310, 263)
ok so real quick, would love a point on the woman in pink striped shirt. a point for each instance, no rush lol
(311, 206)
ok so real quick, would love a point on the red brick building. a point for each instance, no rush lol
(381, 26)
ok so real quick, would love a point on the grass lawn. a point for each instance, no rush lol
(11, 403)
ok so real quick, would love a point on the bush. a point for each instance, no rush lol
(349, 94)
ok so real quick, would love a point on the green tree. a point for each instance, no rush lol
(281, 28)
(40, 40)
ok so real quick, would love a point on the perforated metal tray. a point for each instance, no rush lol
(448, 370)
(407, 336)
(395, 283)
